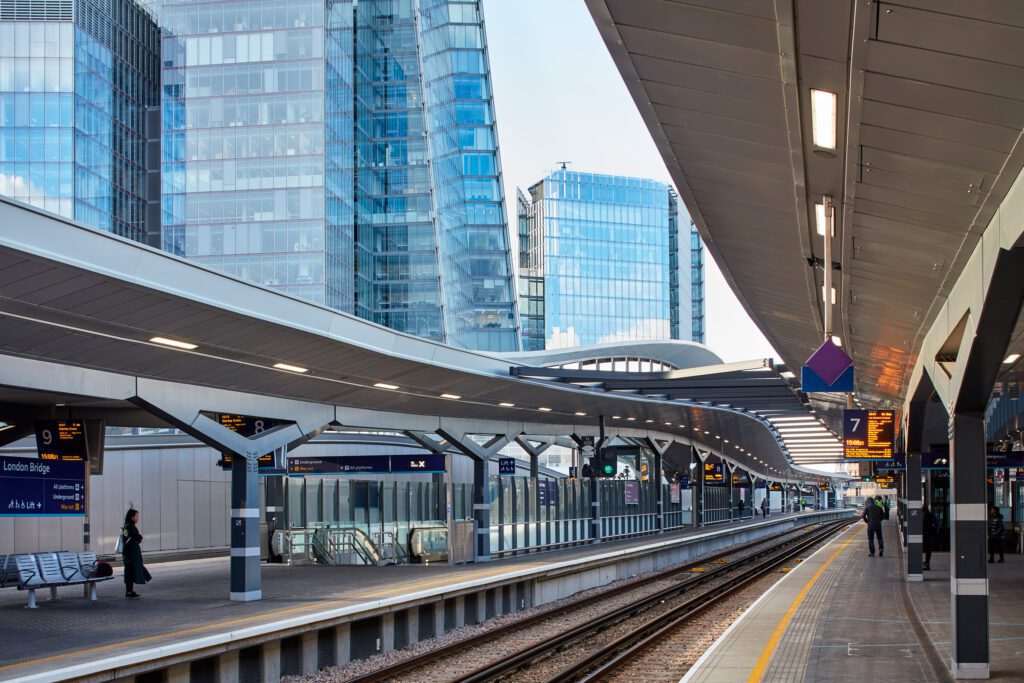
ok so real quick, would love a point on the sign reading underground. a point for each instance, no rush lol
(868, 434)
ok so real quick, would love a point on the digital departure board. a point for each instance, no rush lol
(868, 434)
(246, 425)
(61, 440)
(264, 462)
(713, 473)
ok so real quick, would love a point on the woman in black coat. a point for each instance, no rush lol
(131, 552)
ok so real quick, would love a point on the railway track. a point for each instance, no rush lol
(601, 640)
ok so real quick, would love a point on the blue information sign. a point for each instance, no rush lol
(506, 465)
(547, 493)
(42, 488)
(684, 481)
(366, 464)
(1020, 476)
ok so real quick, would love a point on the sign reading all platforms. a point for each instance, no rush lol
(714, 473)
(31, 487)
(868, 434)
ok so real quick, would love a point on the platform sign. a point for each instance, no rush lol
(674, 493)
(342, 465)
(632, 491)
(714, 473)
(588, 449)
(574, 472)
(684, 481)
(31, 487)
(885, 482)
(506, 466)
(246, 425)
(413, 464)
(61, 440)
(868, 434)
(776, 487)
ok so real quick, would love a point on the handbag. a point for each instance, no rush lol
(119, 544)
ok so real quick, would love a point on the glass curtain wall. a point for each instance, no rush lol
(472, 232)
(397, 278)
(244, 140)
(74, 90)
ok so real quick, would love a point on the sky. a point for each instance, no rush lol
(558, 97)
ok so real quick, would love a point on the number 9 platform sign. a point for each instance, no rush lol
(52, 485)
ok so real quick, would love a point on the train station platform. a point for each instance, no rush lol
(337, 613)
(842, 615)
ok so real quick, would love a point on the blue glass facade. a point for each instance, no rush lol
(698, 333)
(602, 259)
(343, 153)
(76, 80)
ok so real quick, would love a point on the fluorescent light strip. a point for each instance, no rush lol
(290, 368)
(174, 343)
(385, 385)
(1012, 358)
(544, 410)
(823, 118)
(505, 404)
(453, 397)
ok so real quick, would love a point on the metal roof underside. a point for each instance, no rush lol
(80, 297)
(931, 108)
(754, 387)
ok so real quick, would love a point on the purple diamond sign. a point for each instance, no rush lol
(829, 362)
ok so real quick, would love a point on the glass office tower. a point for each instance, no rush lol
(345, 153)
(76, 81)
(603, 259)
(697, 286)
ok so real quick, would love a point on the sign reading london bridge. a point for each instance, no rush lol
(31, 487)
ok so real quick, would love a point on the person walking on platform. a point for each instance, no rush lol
(885, 507)
(131, 553)
(739, 509)
(995, 534)
(765, 507)
(873, 515)
(929, 532)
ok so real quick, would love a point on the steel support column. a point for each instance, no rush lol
(481, 512)
(915, 520)
(245, 530)
(968, 546)
(697, 482)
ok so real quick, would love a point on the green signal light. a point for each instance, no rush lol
(608, 469)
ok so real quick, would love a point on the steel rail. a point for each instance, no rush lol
(400, 669)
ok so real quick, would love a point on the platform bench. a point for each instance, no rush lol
(51, 570)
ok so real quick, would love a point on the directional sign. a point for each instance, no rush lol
(32, 487)
(868, 434)
(365, 464)
(547, 493)
(684, 481)
(714, 473)
(506, 465)
(62, 440)
(674, 493)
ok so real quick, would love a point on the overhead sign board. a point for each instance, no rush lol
(714, 473)
(265, 461)
(246, 425)
(506, 465)
(868, 434)
(365, 464)
(61, 440)
(31, 487)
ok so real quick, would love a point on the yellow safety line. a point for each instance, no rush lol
(773, 642)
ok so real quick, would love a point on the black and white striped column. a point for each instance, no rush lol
(968, 547)
(246, 584)
(481, 511)
(273, 512)
(915, 520)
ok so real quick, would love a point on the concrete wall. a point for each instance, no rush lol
(182, 496)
